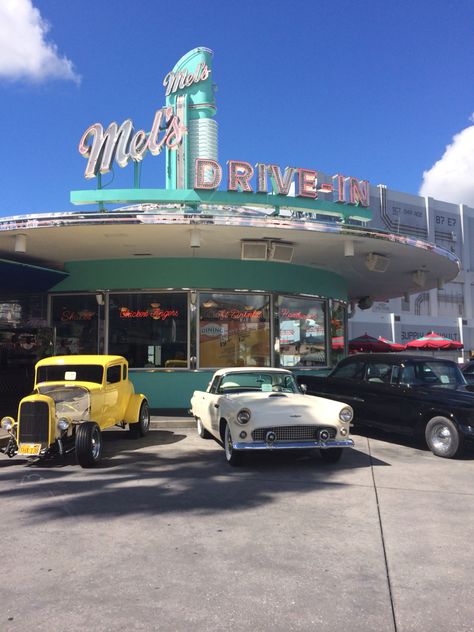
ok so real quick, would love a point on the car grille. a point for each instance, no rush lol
(292, 433)
(34, 422)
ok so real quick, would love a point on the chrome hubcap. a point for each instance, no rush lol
(96, 443)
(441, 437)
(145, 418)
(228, 443)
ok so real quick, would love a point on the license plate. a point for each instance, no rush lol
(31, 449)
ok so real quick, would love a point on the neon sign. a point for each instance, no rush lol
(155, 312)
(175, 81)
(123, 143)
(346, 190)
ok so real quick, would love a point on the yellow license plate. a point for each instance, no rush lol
(31, 449)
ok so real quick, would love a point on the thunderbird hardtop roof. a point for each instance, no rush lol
(102, 360)
(251, 369)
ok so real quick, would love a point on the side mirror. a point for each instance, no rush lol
(303, 388)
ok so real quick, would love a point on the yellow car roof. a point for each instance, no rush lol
(103, 360)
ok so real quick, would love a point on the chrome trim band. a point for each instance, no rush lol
(292, 445)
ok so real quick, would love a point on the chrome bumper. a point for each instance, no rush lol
(292, 445)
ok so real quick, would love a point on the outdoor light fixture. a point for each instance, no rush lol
(20, 243)
(99, 297)
(419, 278)
(195, 241)
(348, 248)
(365, 302)
(376, 262)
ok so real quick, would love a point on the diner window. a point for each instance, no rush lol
(337, 320)
(149, 330)
(234, 330)
(302, 331)
(77, 321)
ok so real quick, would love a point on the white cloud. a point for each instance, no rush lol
(24, 51)
(452, 178)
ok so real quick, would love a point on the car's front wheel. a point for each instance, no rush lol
(202, 432)
(140, 429)
(88, 444)
(443, 438)
(330, 455)
(233, 457)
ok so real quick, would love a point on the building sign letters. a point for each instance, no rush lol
(123, 143)
(348, 190)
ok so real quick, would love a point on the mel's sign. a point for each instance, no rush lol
(123, 143)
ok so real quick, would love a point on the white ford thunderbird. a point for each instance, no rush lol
(264, 409)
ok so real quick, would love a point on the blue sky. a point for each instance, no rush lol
(373, 89)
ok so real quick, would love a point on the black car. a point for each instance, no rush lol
(415, 395)
(468, 372)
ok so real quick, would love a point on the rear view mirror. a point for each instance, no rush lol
(303, 388)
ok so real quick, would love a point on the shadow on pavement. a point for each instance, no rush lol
(135, 476)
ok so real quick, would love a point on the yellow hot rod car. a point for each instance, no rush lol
(74, 398)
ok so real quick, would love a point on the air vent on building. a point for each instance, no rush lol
(281, 252)
(254, 250)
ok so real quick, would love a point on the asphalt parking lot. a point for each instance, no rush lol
(166, 536)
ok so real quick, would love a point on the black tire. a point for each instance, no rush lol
(202, 432)
(233, 457)
(88, 444)
(141, 428)
(330, 455)
(443, 438)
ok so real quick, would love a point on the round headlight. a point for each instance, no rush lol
(346, 414)
(63, 424)
(7, 423)
(243, 416)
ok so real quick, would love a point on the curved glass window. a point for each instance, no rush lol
(150, 330)
(302, 331)
(234, 330)
(337, 322)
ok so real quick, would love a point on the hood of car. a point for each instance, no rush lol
(290, 405)
(461, 394)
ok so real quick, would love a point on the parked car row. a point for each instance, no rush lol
(251, 409)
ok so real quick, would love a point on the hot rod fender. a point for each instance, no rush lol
(133, 409)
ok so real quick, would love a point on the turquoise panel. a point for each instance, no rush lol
(231, 198)
(125, 274)
(169, 389)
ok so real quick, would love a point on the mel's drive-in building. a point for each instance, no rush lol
(232, 264)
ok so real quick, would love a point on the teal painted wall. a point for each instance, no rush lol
(169, 389)
(123, 274)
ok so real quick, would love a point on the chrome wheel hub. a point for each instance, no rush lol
(96, 443)
(441, 437)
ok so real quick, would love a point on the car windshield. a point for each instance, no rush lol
(70, 373)
(255, 381)
(432, 373)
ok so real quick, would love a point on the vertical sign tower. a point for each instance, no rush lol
(190, 91)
